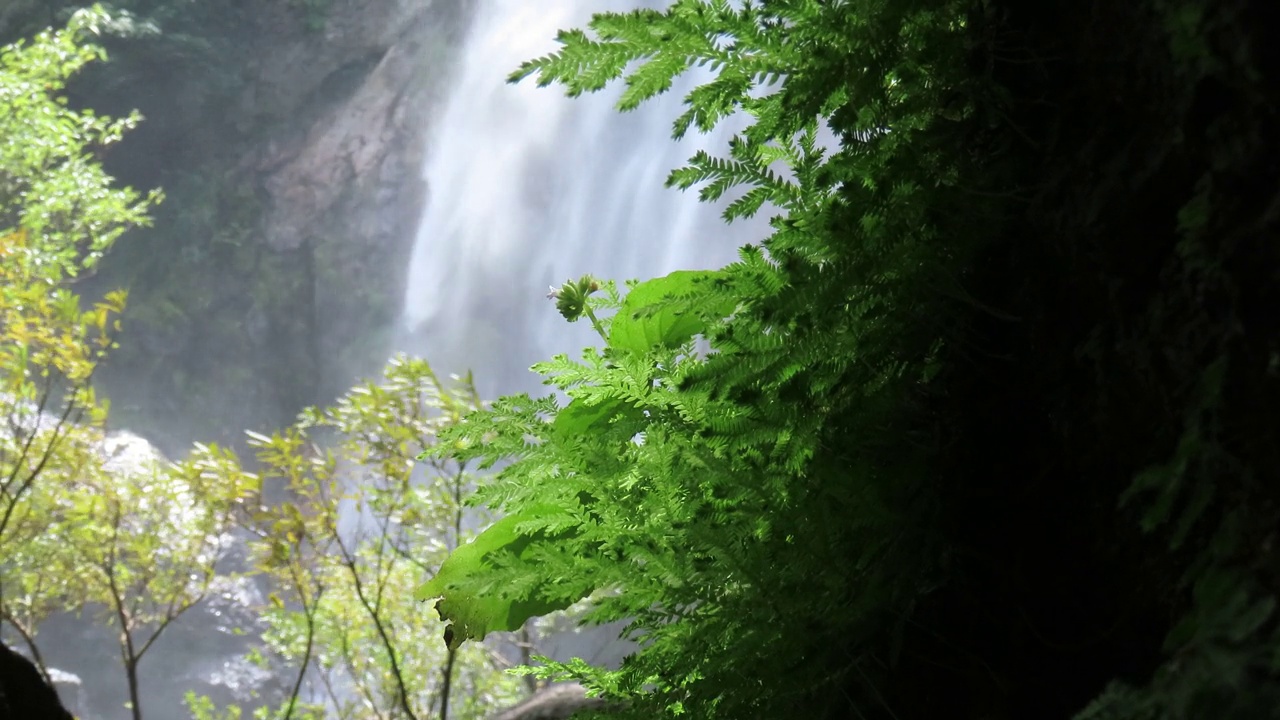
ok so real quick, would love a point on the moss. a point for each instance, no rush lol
(314, 13)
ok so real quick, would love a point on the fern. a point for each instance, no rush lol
(704, 486)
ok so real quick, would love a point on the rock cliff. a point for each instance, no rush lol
(288, 137)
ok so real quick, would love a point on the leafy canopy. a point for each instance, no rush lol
(343, 530)
(51, 183)
(58, 213)
(79, 526)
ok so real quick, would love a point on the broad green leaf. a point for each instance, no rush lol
(473, 616)
(665, 311)
(577, 418)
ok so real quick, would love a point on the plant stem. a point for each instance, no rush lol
(595, 323)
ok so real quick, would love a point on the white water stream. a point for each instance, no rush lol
(527, 188)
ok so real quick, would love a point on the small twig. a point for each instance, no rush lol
(30, 642)
(310, 612)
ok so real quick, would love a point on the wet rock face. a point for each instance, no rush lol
(303, 56)
(339, 176)
(351, 92)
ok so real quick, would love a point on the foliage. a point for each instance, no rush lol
(985, 428)
(58, 214)
(80, 527)
(137, 537)
(473, 617)
(195, 70)
(710, 491)
(99, 522)
(51, 185)
(845, 502)
(352, 532)
(1207, 492)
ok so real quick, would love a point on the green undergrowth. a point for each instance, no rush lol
(753, 511)
(985, 428)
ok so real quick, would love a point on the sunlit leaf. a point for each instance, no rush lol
(666, 311)
(473, 616)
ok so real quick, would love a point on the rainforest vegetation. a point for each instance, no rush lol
(986, 428)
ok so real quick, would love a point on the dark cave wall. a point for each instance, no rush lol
(1113, 457)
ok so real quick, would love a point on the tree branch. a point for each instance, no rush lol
(349, 562)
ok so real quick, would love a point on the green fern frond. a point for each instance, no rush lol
(652, 78)
(693, 478)
(748, 204)
(711, 102)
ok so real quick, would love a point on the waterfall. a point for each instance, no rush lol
(526, 188)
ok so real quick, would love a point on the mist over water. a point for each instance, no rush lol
(527, 188)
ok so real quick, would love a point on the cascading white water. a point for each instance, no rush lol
(527, 187)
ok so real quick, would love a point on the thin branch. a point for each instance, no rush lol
(338, 706)
(349, 562)
(362, 687)
(310, 612)
(526, 648)
(448, 683)
(31, 437)
(170, 617)
(48, 453)
(122, 616)
(383, 577)
(403, 553)
(456, 541)
(30, 642)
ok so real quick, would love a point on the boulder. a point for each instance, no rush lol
(24, 694)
